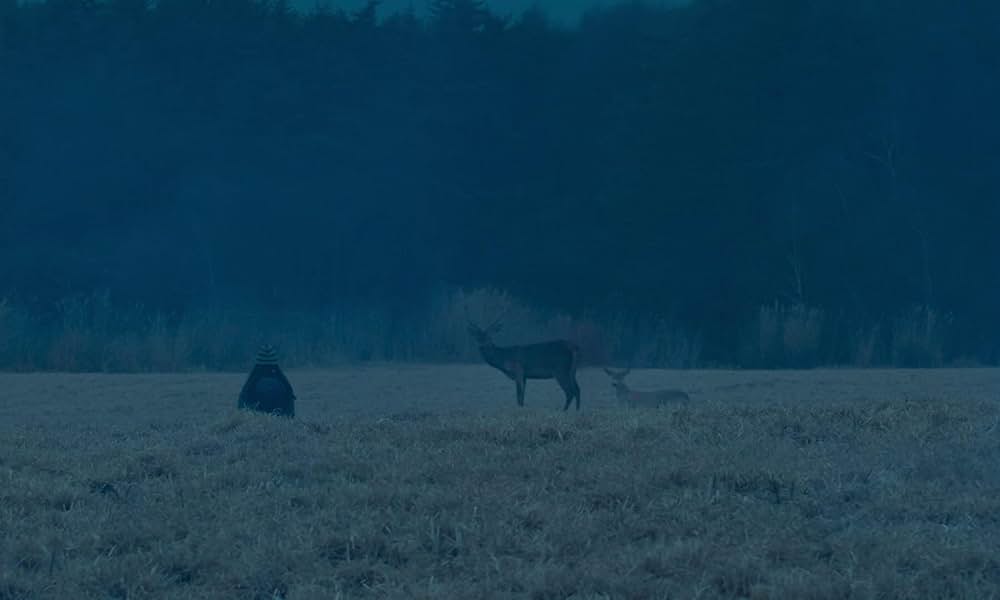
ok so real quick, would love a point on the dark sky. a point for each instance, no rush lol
(567, 11)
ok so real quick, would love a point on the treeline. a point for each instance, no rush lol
(783, 182)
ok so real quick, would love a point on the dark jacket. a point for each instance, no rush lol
(267, 390)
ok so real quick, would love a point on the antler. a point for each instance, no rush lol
(494, 325)
(497, 323)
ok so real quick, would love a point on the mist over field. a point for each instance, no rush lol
(762, 184)
(499, 300)
(566, 12)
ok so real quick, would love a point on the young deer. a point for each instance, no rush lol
(635, 399)
(557, 360)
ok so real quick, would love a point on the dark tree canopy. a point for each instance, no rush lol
(697, 162)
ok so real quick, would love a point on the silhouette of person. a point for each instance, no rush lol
(267, 389)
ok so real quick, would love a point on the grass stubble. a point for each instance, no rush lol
(742, 497)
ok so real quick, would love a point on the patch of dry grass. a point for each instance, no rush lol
(738, 495)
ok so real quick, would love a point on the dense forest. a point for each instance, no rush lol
(773, 182)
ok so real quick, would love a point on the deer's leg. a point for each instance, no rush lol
(517, 374)
(571, 390)
(576, 392)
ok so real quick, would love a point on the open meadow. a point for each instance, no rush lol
(429, 482)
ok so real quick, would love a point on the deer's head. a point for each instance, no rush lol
(618, 378)
(484, 336)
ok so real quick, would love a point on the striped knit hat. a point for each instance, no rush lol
(267, 355)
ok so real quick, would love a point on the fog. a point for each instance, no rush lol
(722, 183)
(562, 11)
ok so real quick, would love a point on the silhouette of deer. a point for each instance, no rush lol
(637, 399)
(556, 359)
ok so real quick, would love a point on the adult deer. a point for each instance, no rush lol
(637, 399)
(556, 359)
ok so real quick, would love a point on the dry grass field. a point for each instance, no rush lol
(428, 482)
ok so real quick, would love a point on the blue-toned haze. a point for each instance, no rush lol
(563, 11)
(755, 183)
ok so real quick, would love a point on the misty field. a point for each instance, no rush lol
(428, 482)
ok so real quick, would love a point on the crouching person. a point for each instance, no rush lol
(267, 389)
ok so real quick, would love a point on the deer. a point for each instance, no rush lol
(556, 359)
(637, 399)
